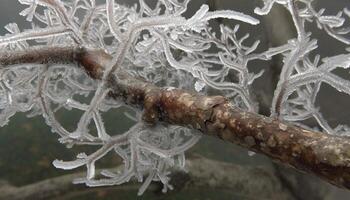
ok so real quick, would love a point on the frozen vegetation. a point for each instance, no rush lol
(158, 43)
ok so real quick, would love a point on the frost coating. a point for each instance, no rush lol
(142, 40)
(167, 49)
(302, 75)
(149, 152)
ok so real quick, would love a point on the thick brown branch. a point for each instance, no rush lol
(325, 155)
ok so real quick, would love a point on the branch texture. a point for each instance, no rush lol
(202, 173)
(327, 156)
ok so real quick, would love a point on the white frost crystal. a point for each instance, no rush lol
(160, 45)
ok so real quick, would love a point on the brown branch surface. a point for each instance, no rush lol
(326, 156)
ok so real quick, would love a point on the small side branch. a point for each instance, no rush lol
(202, 173)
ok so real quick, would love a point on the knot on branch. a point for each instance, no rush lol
(93, 61)
(179, 107)
(152, 106)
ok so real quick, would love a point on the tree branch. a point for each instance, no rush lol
(203, 173)
(327, 156)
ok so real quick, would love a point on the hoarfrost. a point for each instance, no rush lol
(165, 48)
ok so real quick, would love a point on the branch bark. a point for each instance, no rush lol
(326, 156)
(203, 173)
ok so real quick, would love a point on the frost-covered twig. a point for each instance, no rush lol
(301, 78)
(152, 59)
(201, 173)
(212, 115)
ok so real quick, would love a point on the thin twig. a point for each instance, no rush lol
(202, 173)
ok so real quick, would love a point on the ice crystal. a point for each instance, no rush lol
(161, 45)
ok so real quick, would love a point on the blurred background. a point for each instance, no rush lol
(28, 147)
